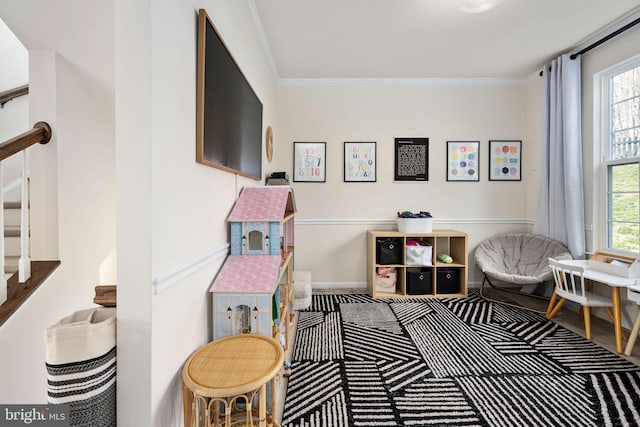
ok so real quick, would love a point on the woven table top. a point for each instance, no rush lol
(233, 365)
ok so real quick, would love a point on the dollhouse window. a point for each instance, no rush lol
(255, 240)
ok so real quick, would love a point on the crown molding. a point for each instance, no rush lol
(263, 38)
(412, 82)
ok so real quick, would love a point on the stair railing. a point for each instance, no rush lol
(11, 94)
(41, 133)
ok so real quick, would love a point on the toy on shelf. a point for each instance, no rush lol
(445, 258)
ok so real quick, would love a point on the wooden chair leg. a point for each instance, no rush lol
(633, 336)
(555, 309)
(587, 322)
(552, 301)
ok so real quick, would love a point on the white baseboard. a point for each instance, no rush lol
(362, 285)
(338, 285)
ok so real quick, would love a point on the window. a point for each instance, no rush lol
(621, 149)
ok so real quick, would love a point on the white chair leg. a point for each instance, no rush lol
(633, 335)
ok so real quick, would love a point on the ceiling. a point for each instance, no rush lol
(427, 38)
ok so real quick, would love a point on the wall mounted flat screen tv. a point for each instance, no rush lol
(228, 113)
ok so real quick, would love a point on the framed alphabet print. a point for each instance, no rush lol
(462, 161)
(505, 160)
(359, 162)
(411, 159)
(309, 161)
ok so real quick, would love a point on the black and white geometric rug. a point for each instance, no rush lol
(458, 362)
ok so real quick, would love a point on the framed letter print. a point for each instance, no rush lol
(309, 161)
(505, 160)
(359, 162)
(411, 159)
(462, 161)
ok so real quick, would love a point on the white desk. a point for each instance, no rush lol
(615, 283)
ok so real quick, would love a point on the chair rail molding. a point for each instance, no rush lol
(165, 280)
(377, 221)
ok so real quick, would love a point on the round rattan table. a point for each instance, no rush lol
(221, 380)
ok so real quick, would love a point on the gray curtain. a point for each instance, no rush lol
(560, 212)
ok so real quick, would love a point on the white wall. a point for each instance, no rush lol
(71, 87)
(333, 217)
(171, 210)
(121, 167)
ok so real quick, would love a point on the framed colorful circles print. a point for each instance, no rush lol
(505, 160)
(463, 161)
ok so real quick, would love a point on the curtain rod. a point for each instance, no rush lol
(604, 39)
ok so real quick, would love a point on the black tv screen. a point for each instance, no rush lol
(229, 114)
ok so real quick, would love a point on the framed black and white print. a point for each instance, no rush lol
(505, 160)
(463, 161)
(359, 162)
(411, 159)
(309, 161)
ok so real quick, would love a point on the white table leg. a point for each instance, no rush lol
(633, 336)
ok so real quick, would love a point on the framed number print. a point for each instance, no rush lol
(505, 160)
(309, 161)
(359, 162)
(462, 161)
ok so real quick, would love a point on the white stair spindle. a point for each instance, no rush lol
(3, 280)
(24, 264)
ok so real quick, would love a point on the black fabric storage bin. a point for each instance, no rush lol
(419, 281)
(389, 251)
(448, 281)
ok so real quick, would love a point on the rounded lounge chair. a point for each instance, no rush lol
(518, 259)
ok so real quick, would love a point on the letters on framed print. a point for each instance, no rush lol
(505, 160)
(309, 161)
(462, 161)
(359, 162)
(411, 159)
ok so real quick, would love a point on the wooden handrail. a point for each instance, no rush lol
(10, 94)
(41, 133)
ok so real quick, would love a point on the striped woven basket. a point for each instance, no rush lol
(81, 366)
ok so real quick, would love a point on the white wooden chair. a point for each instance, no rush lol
(570, 285)
(633, 336)
(633, 293)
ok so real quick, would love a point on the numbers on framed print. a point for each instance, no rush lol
(309, 161)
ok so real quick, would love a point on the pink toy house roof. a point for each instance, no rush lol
(248, 273)
(268, 203)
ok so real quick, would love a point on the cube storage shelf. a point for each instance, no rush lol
(438, 280)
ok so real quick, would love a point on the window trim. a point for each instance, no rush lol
(601, 151)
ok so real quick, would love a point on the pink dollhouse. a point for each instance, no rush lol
(254, 286)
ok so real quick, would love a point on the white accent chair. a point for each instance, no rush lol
(570, 285)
